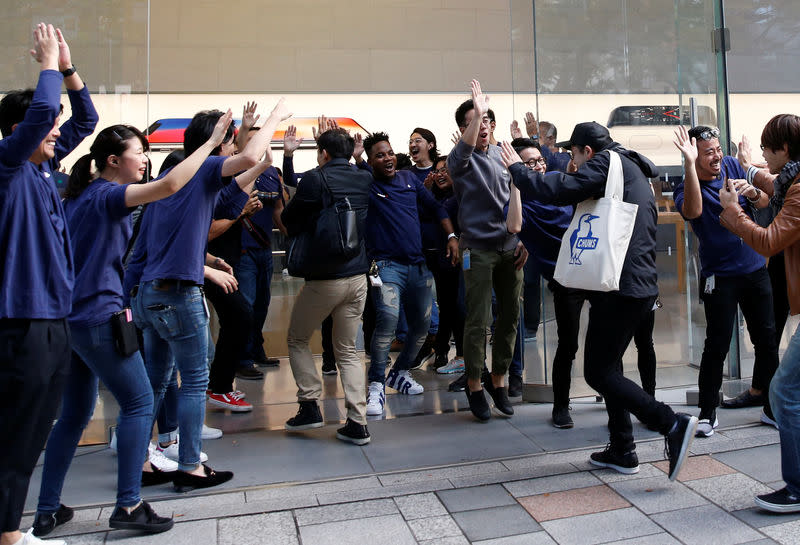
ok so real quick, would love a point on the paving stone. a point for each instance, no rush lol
(761, 463)
(82, 527)
(787, 533)
(345, 511)
(276, 528)
(758, 517)
(556, 483)
(601, 527)
(731, 492)
(513, 475)
(724, 444)
(611, 476)
(187, 533)
(419, 506)
(384, 492)
(187, 504)
(655, 539)
(571, 503)
(86, 539)
(751, 431)
(765, 541)
(434, 527)
(442, 473)
(568, 457)
(305, 490)
(358, 532)
(452, 540)
(705, 525)
(776, 485)
(657, 494)
(698, 467)
(650, 451)
(493, 522)
(534, 538)
(250, 508)
(477, 497)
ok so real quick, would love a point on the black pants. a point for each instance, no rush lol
(531, 297)
(34, 358)
(646, 352)
(451, 310)
(327, 339)
(369, 319)
(753, 293)
(613, 319)
(780, 300)
(235, 323)
(567, 304)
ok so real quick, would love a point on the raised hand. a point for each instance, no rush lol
(290, 141)
(221, 129)
(429, 179)
(281, 111)
(322, 126)
(687, 146)
(45, 46)
(479, 100)
(358, 149)
(508, 154)
(531, 125)
(744, 155)
(455, 137)
(64, 56)
(249, 116)
(516, 132)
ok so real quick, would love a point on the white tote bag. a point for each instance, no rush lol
(594, 246)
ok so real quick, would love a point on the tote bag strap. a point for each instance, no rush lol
(615, 181)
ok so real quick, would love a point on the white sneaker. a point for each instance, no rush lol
(456, 365)
(705, 428)
(30, 539)
(403, 382)
(214, 433)
(159, 461)
(171, 452)
(376, 398)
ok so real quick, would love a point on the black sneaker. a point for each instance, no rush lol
(478, 405)
(249, 373)
(44, 523)
(307, 417)
(185, 482)
(514, 386)
(143, 518)
(781, 501)
(328, 366)
(425, 352)
(501, 401)
(561, 417)
(627, 463)
(678, 441)
(707, 423)
(439, 361)
(459, 384)
(743, 400)
(353, 432)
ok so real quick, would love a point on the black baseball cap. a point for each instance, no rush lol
(589, 134)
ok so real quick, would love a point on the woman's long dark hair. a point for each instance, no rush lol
(112, 140)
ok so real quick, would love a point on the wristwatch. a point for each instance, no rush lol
(69, 71)
(535, 137)
(452, 235)
(757, 197)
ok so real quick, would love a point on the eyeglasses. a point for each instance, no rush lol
(531, 163)
(441, 171)
(708, 134)
(763, 147)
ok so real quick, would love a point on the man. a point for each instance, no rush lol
(490, 253)
(399, 274)
(36, 273)
(731, 273)
(614, 315)
(339, 292)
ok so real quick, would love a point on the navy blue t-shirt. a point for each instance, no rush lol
(99, 229)
(543, 226)
(393, 228)
(268, 181)
(177, 227)
(721, 252)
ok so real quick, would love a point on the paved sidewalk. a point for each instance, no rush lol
(551, 496)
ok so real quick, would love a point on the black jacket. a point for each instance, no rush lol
(302, 211)
(639, 277)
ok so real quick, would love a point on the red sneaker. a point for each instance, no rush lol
(232, 401)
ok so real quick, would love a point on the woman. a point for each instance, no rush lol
(98, 203)
(780, 142)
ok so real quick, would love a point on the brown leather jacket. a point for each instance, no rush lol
(782, 234)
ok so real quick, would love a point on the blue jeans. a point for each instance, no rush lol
(175, 327)
(167, 415)
(411, 284)
(254, 275)
(94, 356)
(784, 399)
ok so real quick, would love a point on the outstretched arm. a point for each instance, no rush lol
(693, 198)
(481, 104)
(258, 144)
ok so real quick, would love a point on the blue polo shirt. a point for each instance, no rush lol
(721, 252)
(393, 229)
(176, 232)
(543, 226)
(100, 228)
(36, 267)
(270, 181)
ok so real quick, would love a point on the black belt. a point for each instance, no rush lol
(166, 284)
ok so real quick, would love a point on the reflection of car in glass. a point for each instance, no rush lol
(651, 129)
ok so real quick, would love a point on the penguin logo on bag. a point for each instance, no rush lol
(582, 238)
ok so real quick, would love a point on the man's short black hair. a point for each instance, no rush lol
(490, 113)
(520, 144)
(13, 108)
(337, 142)
(373, 139)
(200, 129)
(461, 112)
(703, 132)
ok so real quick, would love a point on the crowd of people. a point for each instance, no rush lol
(113, 282)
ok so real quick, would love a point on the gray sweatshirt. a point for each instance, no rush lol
(482, 185)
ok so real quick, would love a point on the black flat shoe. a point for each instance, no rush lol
(743, 400)
(44, 523)
(143, 518)
(185, 482)
(501, 401)
(478, 405)
(152, 478)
